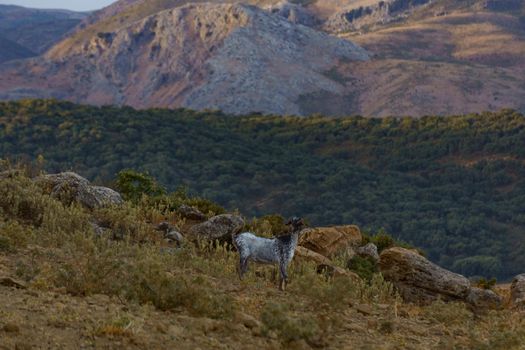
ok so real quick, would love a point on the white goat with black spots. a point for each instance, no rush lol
(279, 250)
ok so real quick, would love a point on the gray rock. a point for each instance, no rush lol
(419, 280)
(369, 250)
(294, 13)
(99, 230)
(70, 187)
(163, 226)
(174, 236)
(191, 213)
(218, 227)
(517, 291)
(483, 299)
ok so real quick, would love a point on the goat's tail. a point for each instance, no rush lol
(234, 241)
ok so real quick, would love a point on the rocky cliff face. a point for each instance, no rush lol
(382, 12)
(233, 57)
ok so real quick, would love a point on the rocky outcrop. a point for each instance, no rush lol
(382, 12)
(483, 299)
(218, 227)
(368, 251)
(324, 265)
(294, 13)
(171, 234)
(517, 291)
(419, 280)
(190, 213)
(329, 241)
(70, 187)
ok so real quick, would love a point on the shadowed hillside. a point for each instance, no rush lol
(34, 30)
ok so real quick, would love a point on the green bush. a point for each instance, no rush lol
(365, 267)
(133, 185)
(486, 284)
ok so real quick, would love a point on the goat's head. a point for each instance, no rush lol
(295, 223)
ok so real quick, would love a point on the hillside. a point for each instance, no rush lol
(452, 186)
(35, 30)
(10, 51)
(68, 283)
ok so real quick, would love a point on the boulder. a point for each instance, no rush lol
(174, 236)
(218, 227)
(324, 265)
(419, 280)
(309, 255)
(368, 251)
(10, 282)
(517, 291)
(483, 299)
(329, 241)
(70, 187)
(191, 213)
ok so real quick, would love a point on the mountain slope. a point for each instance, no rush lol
(233, 57)
(437, 57)
(10, 50)
(34, 29)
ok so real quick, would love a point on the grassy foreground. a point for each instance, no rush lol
(89, 291)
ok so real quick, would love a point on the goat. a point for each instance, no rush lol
(279, 250)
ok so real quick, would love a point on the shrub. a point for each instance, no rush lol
(133, 185)
(486, 284)
(277, 317)
(365, 267)
(268, 225)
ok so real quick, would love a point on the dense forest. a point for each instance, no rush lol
(454, 186)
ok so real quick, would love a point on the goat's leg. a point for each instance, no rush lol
(284, 277)
(243, 266)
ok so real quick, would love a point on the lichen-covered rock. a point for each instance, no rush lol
(70, 187)
(329, 241)
(309, 255)
(368, 251)
(420, 281)
(218, 227)
(293, 12)
(324, 265)
(483, 299)
(174, 236)
(517, 291)
(191, 213)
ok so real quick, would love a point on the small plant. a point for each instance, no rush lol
(278, 318)
(486, 284)
(119, 327)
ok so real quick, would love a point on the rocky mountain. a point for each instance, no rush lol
(233, 57)
(420, 57)
(33, 30)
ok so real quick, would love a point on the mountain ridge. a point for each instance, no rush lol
(436, 57)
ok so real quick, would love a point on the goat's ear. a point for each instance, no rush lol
(289, 222)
